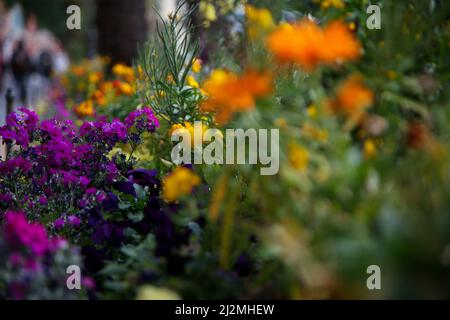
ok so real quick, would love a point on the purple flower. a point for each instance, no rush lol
(51, 127)
(88, 283)
(15, 163)
(84, 181)
(74, 221)
(115, 128)
(59, 223)
(91, 191)
(18, 232)
(101, 197)
(86, 128)
(82, 203)
(112, 171)
(15, 259)
(43, 200)
(20, 126)
(143, 120)
(6, 198)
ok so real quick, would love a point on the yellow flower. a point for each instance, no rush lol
(352, 26)
(311, 111)
(95, 77)
(370, 148)
(298, 157)
(124, 88)
(208, 11)
(315, 133)
(85, 109)
(190, 80)
(338, 4)
(106, 86)
(178, 183)
(124, 72)
(259, 21)
(197, 66)
(189, 128)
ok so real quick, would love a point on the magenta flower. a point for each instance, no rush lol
(18, 232)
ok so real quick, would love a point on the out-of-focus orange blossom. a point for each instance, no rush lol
(353, 98)
(228, 92)
(307, 44)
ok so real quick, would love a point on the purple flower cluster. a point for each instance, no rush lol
(59, 164)
(20, 234)
(32, 262)
(65, 176)
(20, 127)
(142, 120)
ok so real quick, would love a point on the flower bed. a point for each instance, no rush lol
(362, 120)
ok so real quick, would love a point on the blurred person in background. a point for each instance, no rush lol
(46, 55)
(3, 29)
(61, 59)
(20, 67)
(29, 55)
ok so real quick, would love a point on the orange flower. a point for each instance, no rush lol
(99, 97)
(258, 84)
(85, 109)
(79, 71)
(353, 98)
(95, 77)
(340, 43)
(308, 45)
(123, 88)
(124, 72)
(228, 93)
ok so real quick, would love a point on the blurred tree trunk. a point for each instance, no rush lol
(121, 26)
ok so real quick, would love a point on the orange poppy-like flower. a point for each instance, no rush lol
(353, 97)
(308, 45)
(228, 93)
